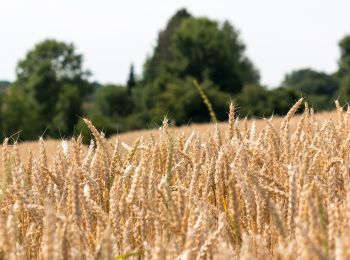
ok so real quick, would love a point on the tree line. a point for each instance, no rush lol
(53, 91)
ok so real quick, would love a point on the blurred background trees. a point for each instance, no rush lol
(53, 90)
(311, 82)
(51, 79)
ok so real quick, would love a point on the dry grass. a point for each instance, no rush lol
(264, 190)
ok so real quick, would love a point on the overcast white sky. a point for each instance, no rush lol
(281, 35)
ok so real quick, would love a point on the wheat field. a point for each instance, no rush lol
(276, 189)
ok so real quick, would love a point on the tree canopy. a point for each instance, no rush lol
(157, 64)
(203, 49)
(308, 81)
(52, 75)
(344, 61)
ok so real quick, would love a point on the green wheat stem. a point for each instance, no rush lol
(206, 101)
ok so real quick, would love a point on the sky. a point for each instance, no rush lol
(280, 35)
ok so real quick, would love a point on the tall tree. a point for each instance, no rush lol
(131, 80)
(343, 72)
(44, 72)
(206, 50)
(155, 65)
(203, 49)
(344, 61)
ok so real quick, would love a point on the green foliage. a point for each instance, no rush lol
(192, 49)
(205, 50)
(344, 61)
(180, 101)
(112, 110)
(130, 84)
(311, 82)
(68, 108)
(4, 85)
(56, 57)
(157, 64)
(343, 73)
(282, 99)
(113, 101)
(321, 102)
(254, 100)
(202, 49)
(52, 74)
(20, 114)
(344, 91)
